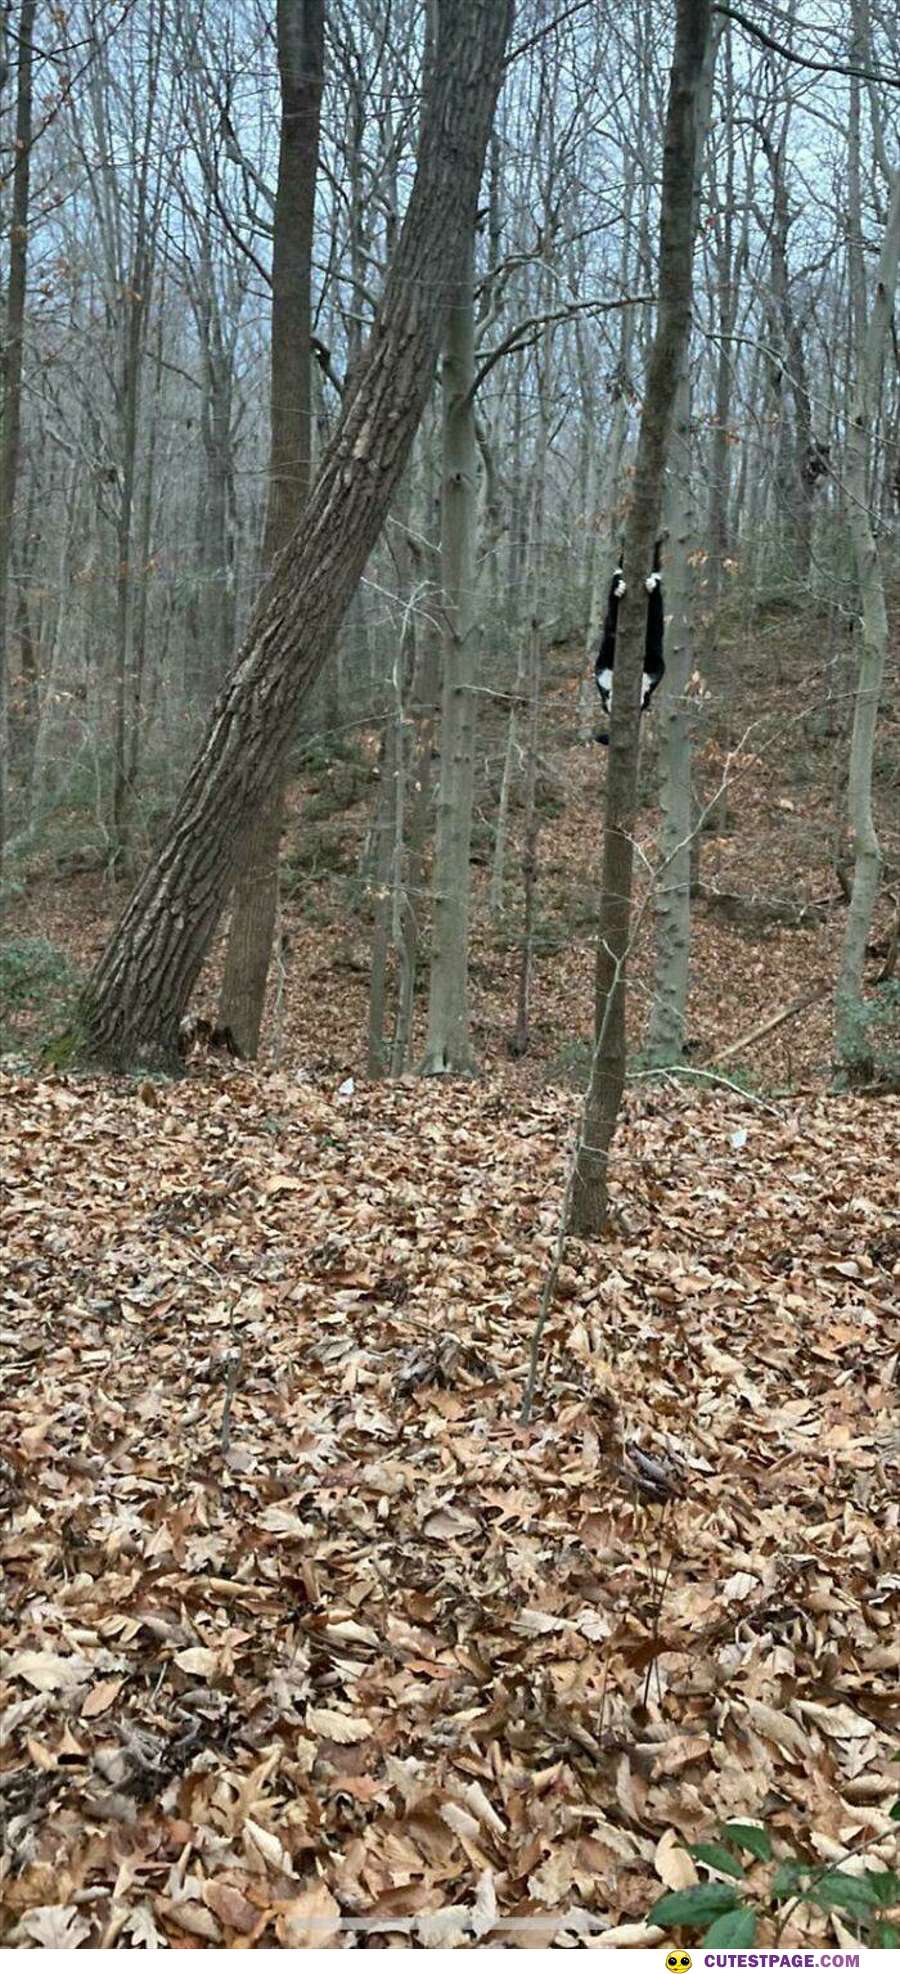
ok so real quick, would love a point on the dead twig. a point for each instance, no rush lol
(235, 1366)
(768, 1027)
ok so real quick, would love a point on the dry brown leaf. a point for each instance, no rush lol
(553, 1880)
(193, 1918)
(673, 1864)
(56, 1926)
(537, 1624)
(333, 1726)
(631, 1790)
(265, 1849)
(679, 1753)
(101, 1697)
(230, 1905)
(840, 1722)
(311, 1920)
(446, 1927)
(198, 1659)
(445, 1523)
(738, 1587)
(141, 1926)
(778, 1727)
(473, 1795)
(48, 1672)
(283, 1521)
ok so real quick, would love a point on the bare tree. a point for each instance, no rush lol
(12, 369)
(857, 472)
(672, 894)
(301, 28)
(448, 1047)
(676, 246)
(134, 1003)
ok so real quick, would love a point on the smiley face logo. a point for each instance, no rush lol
(679, 1963)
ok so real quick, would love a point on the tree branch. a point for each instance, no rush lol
(803, 61)
(515, 340)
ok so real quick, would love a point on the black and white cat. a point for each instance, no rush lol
(654, 662)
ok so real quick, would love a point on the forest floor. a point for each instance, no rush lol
(302, 1623)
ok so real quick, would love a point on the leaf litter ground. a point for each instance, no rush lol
(302, 1623)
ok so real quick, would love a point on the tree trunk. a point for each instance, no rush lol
(730, 263)
(12, 375)
(793, 482)
(126, 709)
(387, 849)
(672, 898)
(867, 854)
(448, 1048)
(608, 535)
(424, 713)
(606, 547)
(672, 891)
(134, 304)
(301, 31)
(521, 1036)
(134, 1003)
(676, 243)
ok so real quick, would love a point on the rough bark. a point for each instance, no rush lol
(672, 899)
(301, 30)
(214, 611)
(134, 304)
(608, 536)
(672, 893)
(448, 1049)
(134, 1003)
(730, 261)
(424, 714)
(866, 849)
(607, 1079)
(794, 488)
(12, 372)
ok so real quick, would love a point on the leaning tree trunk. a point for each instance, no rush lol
(867, 854)
(301, 32)
(133, 1005)
(676, 249)
(12, 373)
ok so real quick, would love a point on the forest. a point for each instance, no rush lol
(450, 975)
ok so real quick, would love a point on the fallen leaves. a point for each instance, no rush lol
(310, 1920)
(379, 1653)
(673, 1864)
(339, 1727)
(101, 1697)
(197, 1659)
(60, 1926)
(47, 1672)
